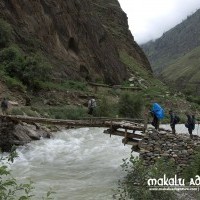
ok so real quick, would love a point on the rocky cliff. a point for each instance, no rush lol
(80, 38)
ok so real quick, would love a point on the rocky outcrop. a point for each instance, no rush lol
(76, 36)
(179, 148)
(14, 134)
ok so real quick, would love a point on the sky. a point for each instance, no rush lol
(149, 19)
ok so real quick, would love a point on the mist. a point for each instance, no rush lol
(149, 19)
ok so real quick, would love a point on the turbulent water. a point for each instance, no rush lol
(78, 164)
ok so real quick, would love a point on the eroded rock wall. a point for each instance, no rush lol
(74, 37)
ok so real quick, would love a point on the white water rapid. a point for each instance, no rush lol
(78, 164)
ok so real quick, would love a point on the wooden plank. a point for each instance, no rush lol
(131, 88)
(115, 86)
(78, 123)
(115, 119)
(134, 144)
(127, 125)
(99, 85)
(125, 137)
(73, 123)
(121, 133)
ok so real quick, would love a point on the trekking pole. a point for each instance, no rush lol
(198, 129)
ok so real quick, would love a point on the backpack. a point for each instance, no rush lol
(158, 111)
(92, 103)
(4, 104)
(176, 119)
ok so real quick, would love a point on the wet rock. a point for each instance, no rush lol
(15, 134)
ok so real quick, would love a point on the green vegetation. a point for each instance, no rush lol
(130, 105)
(134, 66)
(134, 186)
(10, 189)
(65, 85)
(175, 56)
(194, 168)
(55, 112)
(5, 33)
(184, 72)
(32, 72)
(28, 71)
(106, 108)
(70, 112)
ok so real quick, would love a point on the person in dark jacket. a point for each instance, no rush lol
(4, 106)
(172, 121)
(155, 121)
(91, 106)
(190, 124)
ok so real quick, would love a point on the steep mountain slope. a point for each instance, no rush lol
(50, 52)
(184, 73)
(174, 44)
(73, 37)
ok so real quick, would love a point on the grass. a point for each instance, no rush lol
(56, 112)
(184, 71)
(134, 66)
(65, 85)
(62, 112)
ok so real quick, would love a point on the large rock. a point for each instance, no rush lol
(12, 133)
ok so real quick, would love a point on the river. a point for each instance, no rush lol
(78, 164)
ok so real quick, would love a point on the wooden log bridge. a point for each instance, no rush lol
(126, 129)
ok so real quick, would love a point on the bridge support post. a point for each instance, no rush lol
(125, 137)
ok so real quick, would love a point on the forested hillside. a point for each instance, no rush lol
(174, 43)
(175, 56)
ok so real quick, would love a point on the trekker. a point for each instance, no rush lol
(157, 113)
(91, 106)
(155, 121)
(174, 119)
(190, 124)
(4, 106)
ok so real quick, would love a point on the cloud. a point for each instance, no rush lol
(149, 19)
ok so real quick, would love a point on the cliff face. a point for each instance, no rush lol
(80, 38)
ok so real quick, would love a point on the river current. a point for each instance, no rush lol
(78, 164)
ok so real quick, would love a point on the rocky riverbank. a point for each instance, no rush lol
(13, 133)
(179, 148)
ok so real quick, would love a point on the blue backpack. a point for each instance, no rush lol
(158, 111)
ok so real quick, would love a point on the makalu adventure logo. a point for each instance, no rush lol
(174, 183)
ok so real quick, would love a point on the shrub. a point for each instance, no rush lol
(9, 54)
(5, 33)
(16, 111)
(194, 168)
(68, 112)
(30, 70)
(14, 84)
(35, 69)
(130, 105)
(134, 185)
(64, 86)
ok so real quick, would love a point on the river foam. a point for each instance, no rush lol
(78, 164)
